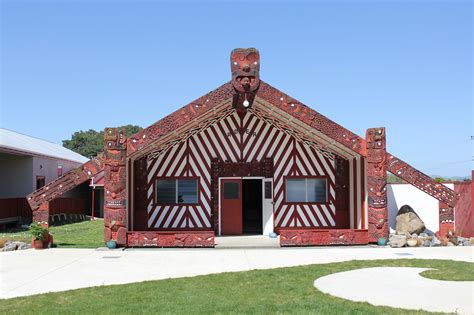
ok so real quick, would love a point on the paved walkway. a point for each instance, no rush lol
(30, 272)
(402, 287)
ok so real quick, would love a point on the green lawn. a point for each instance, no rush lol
(274, 291)
(87, 234)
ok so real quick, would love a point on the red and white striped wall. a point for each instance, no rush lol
(249, 138)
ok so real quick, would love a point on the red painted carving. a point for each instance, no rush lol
(171, 239)
(310, 117)
(446, 219)
(376, 183)
(245, 68)
(180, 118)
(41, 214)
(39, 199)
(115, 217)
(307, 237)
(421, 181)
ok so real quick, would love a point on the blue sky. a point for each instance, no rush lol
(405, 65)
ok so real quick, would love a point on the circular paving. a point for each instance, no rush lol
(400, 287)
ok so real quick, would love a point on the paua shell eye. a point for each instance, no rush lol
(235, 63)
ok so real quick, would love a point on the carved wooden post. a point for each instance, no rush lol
(376, 183)
(41, 214)
(115, 214)
(446, 219)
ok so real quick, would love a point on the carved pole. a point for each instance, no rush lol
(376, 183)
(446, 219)
(115, 214)
(41, 214)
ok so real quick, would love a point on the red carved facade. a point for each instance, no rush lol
(309, 237)
(115, 202)
(245, 127)
(376, 183)
(170, 239)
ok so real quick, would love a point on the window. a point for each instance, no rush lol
(306, 190)
(173, 191)
(40, 182)
(231, 190)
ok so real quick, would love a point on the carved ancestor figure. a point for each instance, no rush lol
(376, 183)
(115, 218)
(245, 68)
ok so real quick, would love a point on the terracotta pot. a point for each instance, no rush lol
(37, 244)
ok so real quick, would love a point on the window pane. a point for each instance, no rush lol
(187, 191)
(295, 190)
(316, 190)
(166, 191)
(231, 190)
(268, 190)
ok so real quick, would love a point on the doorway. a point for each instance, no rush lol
(252, 206)
(245, 206)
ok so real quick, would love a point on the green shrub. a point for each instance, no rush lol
(38, 231)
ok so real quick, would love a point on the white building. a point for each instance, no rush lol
(27, 163)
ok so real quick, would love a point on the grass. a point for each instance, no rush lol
(274, 291)
(87, 234)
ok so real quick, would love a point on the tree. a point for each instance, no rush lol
(91, 142)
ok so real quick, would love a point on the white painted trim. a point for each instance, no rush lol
(351, 193)
(359, 191)
(366, 198)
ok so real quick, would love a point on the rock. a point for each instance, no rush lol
(466, 243)
(408, 221)
(426, 243)
(9, 246)
(424, 234)
(397, 240)
(24, 246)
(435, 242)
(472, 240)
(450, 244)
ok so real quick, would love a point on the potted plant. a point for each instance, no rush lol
(39, 234)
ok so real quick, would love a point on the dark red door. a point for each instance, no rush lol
(231, 206)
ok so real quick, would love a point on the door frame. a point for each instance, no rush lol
(241, 178)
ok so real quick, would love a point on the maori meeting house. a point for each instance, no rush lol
(245, 158)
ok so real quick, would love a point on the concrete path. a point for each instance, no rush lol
(402, 287)
(30, 272)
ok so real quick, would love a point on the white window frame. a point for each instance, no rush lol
(326, 199)
(176, 191)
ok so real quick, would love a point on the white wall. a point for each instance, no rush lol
(424, 205)
(15, 175)
(48, 167)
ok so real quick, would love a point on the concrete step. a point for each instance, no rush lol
(246, 241)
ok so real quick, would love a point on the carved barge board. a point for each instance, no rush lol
(171, 239)
(39, 199)
(308, 237)
(421, 181)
